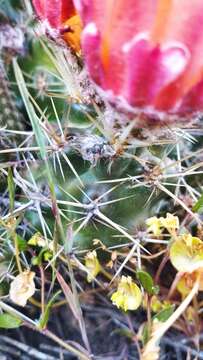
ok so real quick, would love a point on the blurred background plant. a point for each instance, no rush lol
(92, 210)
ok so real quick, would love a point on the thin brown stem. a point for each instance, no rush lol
(161, 266)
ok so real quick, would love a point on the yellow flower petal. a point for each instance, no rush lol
(92, 264)
(156, 304)
(22, 287)
(187, 281)
(185, 284)
(171, 222)
(186, 253)
(128, 295)
(37, 240)
(154, 225)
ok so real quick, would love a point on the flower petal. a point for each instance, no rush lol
(22, 287)
(193, 100)
(55, 11)
(186, 29)
(147, 54)
(142, 85)
(91, 45)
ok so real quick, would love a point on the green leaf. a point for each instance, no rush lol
(145, 334)
(8, 321)
(30, 109)
(147, 282)
(11, 189)
(22, 243)
(36, 261)
(164, 314)
(45, 318)
(47, 255)
(198, 207)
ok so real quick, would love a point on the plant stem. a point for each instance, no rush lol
(197, 322)
(161, 266)
(149, 317)
(16, 313)
(66, 346)
(42, 290)
(33, 325)
(15, 238)
(76, 297)
(157, 335)
(174, 285)
(106, 274)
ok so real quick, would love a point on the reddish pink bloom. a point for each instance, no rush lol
(56, 12)
(146, 54)
(62, 17)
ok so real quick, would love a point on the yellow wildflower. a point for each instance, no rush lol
(22, 287)
(128, 295)
(187, 281)
(186, 253)
(171, 222)
(37, 240)
(155, 304)
(92, 264)
(190, 314)
(154, 225)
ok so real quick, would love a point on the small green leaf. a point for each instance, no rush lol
(44, 320)
(30, 110)
(8, 321)
(198, 207)
(164, 314)
(22, 243)
(147, 282)
(156, 290)
(47, 255)
(11, 189)
(36, 261)
(145, 334)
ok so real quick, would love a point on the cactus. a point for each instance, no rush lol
(88, 170)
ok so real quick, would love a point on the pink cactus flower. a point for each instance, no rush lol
(146, 55)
